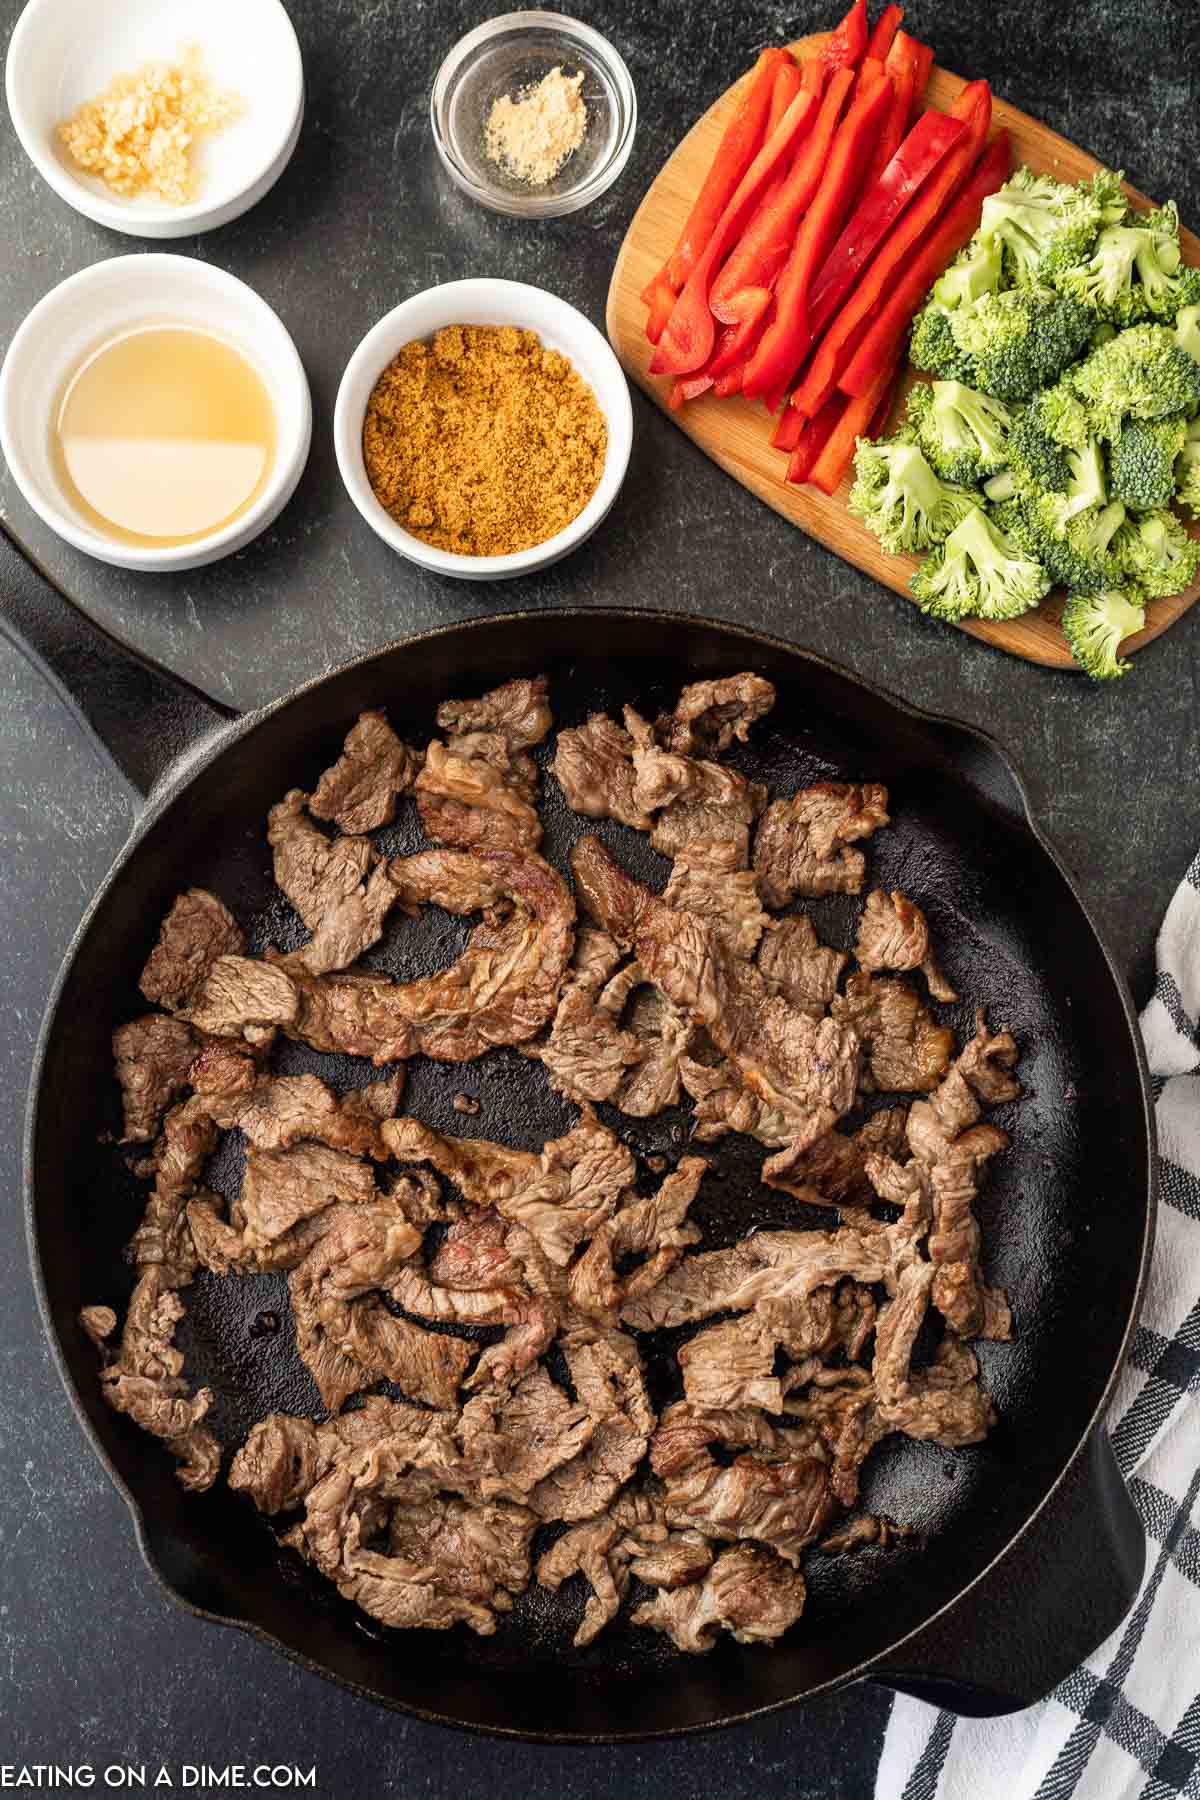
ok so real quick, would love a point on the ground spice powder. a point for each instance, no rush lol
(483, 442)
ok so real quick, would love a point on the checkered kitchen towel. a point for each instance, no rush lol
(1126, 1725)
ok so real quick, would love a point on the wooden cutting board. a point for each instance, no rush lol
(736, 433)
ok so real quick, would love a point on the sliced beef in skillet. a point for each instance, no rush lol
(906, 1051)
(340, 891)
(709, 716)
(802, 844)
(747, 1592)
(799, 966)
(593, 765)
(513, 1440)
(198, 929)
(690, 797)
(732, 1365)
(606, 1372)
(893, 934)
(358, 793)
(152, 1057)
(519, 712)
(468, 800)
(654, 1227)
(709, 878)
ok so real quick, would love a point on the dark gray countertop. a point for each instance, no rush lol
(94, 1663)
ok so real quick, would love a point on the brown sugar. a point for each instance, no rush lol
(483, 442)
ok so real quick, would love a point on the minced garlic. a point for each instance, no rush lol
(533, 135)
(136, 135)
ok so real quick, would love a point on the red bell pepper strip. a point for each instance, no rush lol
(785, 339)
(883, 411)
(974, 107)
(814, 438)
(788, 83)
(731, 381)
(660, 297)
(687, 387)
(687, 339)
(870, 74)
(886, 27)
(901, 66)
(924, 65)
(735, 153)
(735, 342)
(762, 250)
(846, 45)
(928, 143)
(829, 468)
(786, 434)
(887, 328)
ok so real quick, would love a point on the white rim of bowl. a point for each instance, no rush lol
(449, 562)
(112, 212)
(518, 206)
(279, 489)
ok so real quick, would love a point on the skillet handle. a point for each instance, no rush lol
(1063, 1588)
(144, 717)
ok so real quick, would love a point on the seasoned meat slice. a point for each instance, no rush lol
(281, 1187)
(732, 1365)
(587, 1054)
(708, 878)
(358, 793)
(513, 1440)
(145, 1378)
(722, 1104)
(798, 965)
(658, 1031)
(280, 1110)
(241, 997)
(606, 1373)
(198, 929)
(284, 1456)
(518, 712)
(342, 899)
(969, 1306)
(943, 1403)
(906, 1052)
(188, 1139)
(840, 1405)
(502, 990)
(770, 1264)
(710, 715)
(153, 1058)
(982, 1070)
(560, 1194)
(629, 1540)
(823, 1173)
(654, 1227)
(777, 1491)
(747, 1592)
(691, 798)
(468, 801)
(450, 1561)
(802, 844)
(593, 764)
(893, 934)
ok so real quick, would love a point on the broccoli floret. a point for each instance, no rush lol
(932, 346)
(1142, 461)
(1107, 195)
(1141, 374)
(1155, 551)
(1060, 415)
(1040, 223)
(978, 572)
(1187, 469)
(1095, 625)
(1072, 546)
(1035, 461)
(1134, 271)
(901, 499)
(1187, 330)
(964, 434)
(976, 270)
(1021, 340)
(1166, 284)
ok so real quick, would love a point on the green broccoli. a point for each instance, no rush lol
(1142, 461)
(1187, 469)
(1041, 222)
(964, 434)
(1073, 547)
(1095, 625)
(1107, 195)
(899, 497)
(978, 572)
(1155, 551)
(1060, 415)
(1187, 330)
(1142, 373)
(976, 270)
(1134, 272)
(1021, 340)
(932, 347)
(1035, 461)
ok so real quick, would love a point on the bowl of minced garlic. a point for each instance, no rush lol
(483, 428)
(161, 118)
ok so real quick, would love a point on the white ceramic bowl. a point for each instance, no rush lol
(483, 302)
(79, 314)
(64, 52)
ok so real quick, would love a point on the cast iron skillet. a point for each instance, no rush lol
(1030, 1550)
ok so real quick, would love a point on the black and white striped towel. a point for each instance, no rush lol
(1125, 1725)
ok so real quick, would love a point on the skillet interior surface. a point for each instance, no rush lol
(1064, 1214)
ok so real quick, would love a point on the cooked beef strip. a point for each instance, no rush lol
(629, 1540)
(198, 929)
(747, 1592)
(660, 1033)
(514, 1440)
(732, 1365)
(587, 1055)
(466, 800)
(893, 934)
(241, 997)
(145, 1380)
(943, 1403)
(280, 1110)
(358, 793)
(519, 712)
(593, 765)
(606, 1373)
(777, 1491)
(331, 882)
(710, 715)
(281, 1187)
(709, 879)
(691, 798)
(283, 1456)
(906, 1051)
(798, 965)
(475, 1254)
(152, 1058)
(840, 1405)
(801, 845)
(863, 1528)
(779, 1265)
(654, 1227)
(722, 1104)
(188, 1139)
(960, 1294)
(821, 1173)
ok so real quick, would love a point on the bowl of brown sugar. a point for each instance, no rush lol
(483, 429)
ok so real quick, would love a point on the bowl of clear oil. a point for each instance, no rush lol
(156, 417)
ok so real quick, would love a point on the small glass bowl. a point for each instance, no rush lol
(505, 56)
